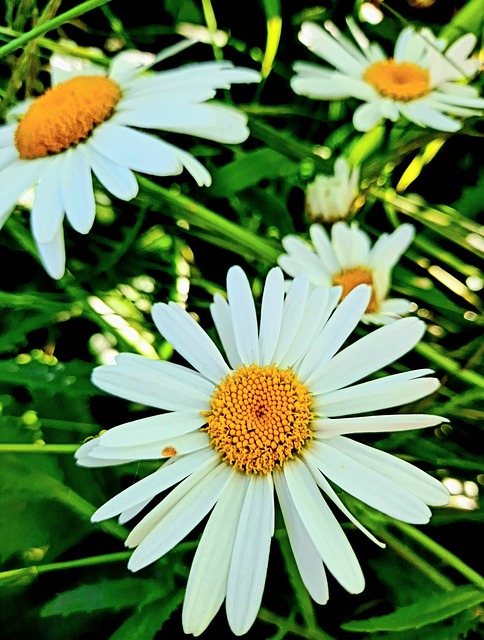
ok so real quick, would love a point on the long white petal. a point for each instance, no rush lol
(190, 340)
(222, 320)
(53, 254)
(244, 318)
(48, 211)
(77, 190)
(293, 312)
(181, 518)
(207, 581)
(390, 391)
(334, 334)
(307, 557)
(371, 353)
(271, 315)
(116, 178)
(330, 427)
(250, 554)
(369, 486)
(421, 484)
(164, 448)
(171, 472)
(15, 179)
(325, 531)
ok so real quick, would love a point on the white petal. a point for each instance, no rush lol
(324, 249)
(53, 254)
(48, 210)
(64, 67)
(388, 249)
(330, 427)
(77, 189)
(294, 306)
(325, 531)
(371, 353)
(312, 464)
(369, 486)
(116, 178)
(84, 458)
(15, 179)
(138, 151)
(271, 315)
(307, 557)
(244, 318)
(181, 518)
(153, 429)
(207, 581)
(129, 514)
(141, 380)
(390, 391)
(413, 479)
(222, 320)
(183, 489)
(7, 132)
(336, 331)
(190, 340)
(8, 155)
(366, 116)
(425, 116)
(250, 554)
(154, 450)
(194, 167)
(171, 472)
(329, 49)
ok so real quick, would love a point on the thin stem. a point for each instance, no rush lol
(39, 448)
(441, 552)
(49, 25)
(199, 216)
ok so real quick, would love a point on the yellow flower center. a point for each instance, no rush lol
(403, 81)
(351, 278)
(65, 115)
(259, 418)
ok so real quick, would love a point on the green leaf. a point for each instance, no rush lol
(250, 170)
(108, 594)
(426, 611)
(148, 620)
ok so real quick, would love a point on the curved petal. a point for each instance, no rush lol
(292, 315)
(48, 209)
(53, 254)
(77, 189)
(271, 315)
(330, 427)
(244, 318)
(250, 554)
(190, 340)
(222, 320)
(116, 178)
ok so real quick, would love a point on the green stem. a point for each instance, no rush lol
(449, 365)
(411, 557)
(291, 627)
(201, 217)
(441, 552)
(39, 448)
(49, 25)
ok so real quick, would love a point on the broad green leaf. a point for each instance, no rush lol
(250, 170)
(108, 594)
(426, 611)
(149, 619)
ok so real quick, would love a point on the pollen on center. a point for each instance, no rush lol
(66, 115)
(402, 81)
(348, 279)
(259, 417)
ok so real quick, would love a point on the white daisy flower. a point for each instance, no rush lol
(420, 82)
(267, 418)
(88, 122)
(345, 259)
(331, 198)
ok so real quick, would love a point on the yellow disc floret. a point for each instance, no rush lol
(348, 279)
(402, 81)
(259, 417)
(65, 115)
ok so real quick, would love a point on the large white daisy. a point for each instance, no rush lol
(88, 122)
(330, 198)
(421, 82)
(272, 417)
(346, 258)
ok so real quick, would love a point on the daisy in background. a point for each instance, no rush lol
(270, 418)
(421, 81)
(346, 259)
(88, 123)
(331, 198)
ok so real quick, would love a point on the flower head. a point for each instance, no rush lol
(88, 122)
(420, 81)
(266, 420)
(330, 198)
(346, 259)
